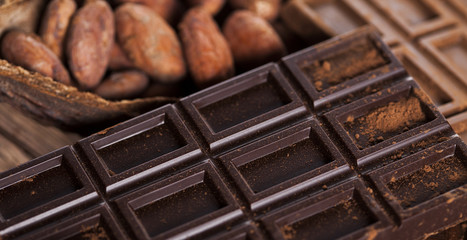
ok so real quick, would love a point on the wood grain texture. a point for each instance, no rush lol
(11, 155)
(22, 138)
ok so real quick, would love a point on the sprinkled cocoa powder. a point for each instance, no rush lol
(430, 181)
(386, 121)
(288, 232)
(396, 115)
(95, 232)
(343, 218)
(362, 57)
(456, 232)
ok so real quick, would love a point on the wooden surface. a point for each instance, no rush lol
(23, 139)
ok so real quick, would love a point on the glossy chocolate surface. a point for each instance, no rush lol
(328, 143)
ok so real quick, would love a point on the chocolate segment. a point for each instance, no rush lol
(140, 150)
(244, 107)
(450, 49)
(416, 17)
(427, 36)
(345, 211)
(320, 19)
(302, 155)
(167, 209)
(52, 185)
(271, 154)
(421, 184)
(448, 98)
(335, 72)
(97, 223)
(385, 118)
(243, 232)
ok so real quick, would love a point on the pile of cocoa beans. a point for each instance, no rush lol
(122, 48)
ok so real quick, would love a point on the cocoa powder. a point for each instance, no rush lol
(395, 116)
(361, 57)
(429, 182)
(386, 121)
(95, 232)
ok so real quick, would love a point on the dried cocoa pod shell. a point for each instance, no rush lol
(66, 106)
(170, 10)
(211, 6)
(54, 24)
(123, 85)
(206, 50)
(252, 40)
(27, 50)
(267, 9)
(149, 42)
(90, 39)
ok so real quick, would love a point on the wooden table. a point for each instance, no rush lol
(23, 139)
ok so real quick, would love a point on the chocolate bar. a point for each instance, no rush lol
(334, 141)
(428, 37)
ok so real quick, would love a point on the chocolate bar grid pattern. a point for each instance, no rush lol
(284, 166)
(428, 36)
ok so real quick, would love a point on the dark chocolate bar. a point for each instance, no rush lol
(429, 38)
(334, 141)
